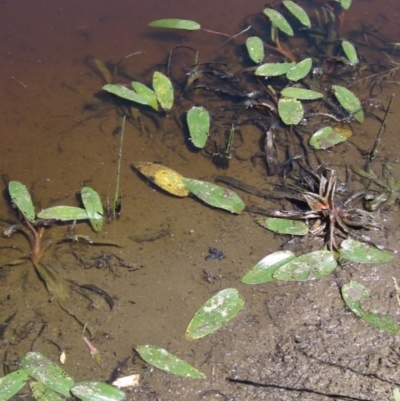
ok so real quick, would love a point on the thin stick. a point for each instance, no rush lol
(119, 169)
(374, 149)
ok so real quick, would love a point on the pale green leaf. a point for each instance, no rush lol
(175, 23)
(327, 137)
(162, 359)
(300, 70)
(63, 213)
(278, 20)
(307, 267)
(298, 12)
(214, 195)
(358, 252)
(349, 101)
(96, 391)
(284, 226)
(300, 93)
(216, 312)
(350, 52)
(164, 90)
(198, 121)
(125, 93)
(92, 202)
(396, 394)
(43, 393)
(290, 110)
(263, 271)
(273, 69)
(12, 383)
(147, 93)
(255, 48)
(346, 4)
(22, 199)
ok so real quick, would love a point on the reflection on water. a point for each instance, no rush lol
(60, 132)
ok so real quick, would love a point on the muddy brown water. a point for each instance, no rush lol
(297, 340)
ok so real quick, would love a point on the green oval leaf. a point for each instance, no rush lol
(92, 202)
(358, 252)
(255, 48)
(298, 12)
(284, 226)
(350, 52)
(349, 101)
(12, 383)
(43, 393)
(47, 372)
(327, 137)
(217, 311)
(198, 121)
(290, 110)
(214, 195)
(278, 20)
(22, 199)
(353, 293)
(162, 359)
(97, 391)
(63, 213)
(302, 94)
(164, 90)
(263, 271)
(273, 69)
(146, 93)
(175, 23)
(125, 93)
(300, 70)
(307, 267)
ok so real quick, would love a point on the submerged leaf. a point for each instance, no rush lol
(43, 393)
(350, 52)
(175, 23)
(216, 312)
(22, 199)
(198, 121)
(278, 20)
(298, 12)
(12, 383)
(307, 267)
(125, 93)
(290, 110)
(164, 90)
(94, 208)
(358, 252)
(273, 69)
(263, 271)
(214, 195)
(97, 391)
(346, 4)
(162, 359)
(284, 226)
(63, 213)
(302, 94)
(349, 101)
(164, 177)
(327, 137)
(300, 70)
(47, 372)
(146, 93)
(255, 48)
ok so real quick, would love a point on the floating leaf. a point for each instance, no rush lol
(47, 372)
(164, 90)
(290, 110)
(346, 4)
(146, 93)
(164, 177)
(255, 48)
(278, 20)
(327, 137)
(302, 94)
(198, 121)
(63, 213)
(162, 359)
(300, 70)
(273, 69)
(396, 394)
(97, 391)
(92, 202)
(214, 195)
(125, 93)
(263, 271)
(43, 393)
(298, 12)
(175, 23)
(12, 383)
(217, 311)
(350, 52)
(358, 252)
(284, 226)
(349, 101)
(353, 293)
(307, 267)
(22, 199)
